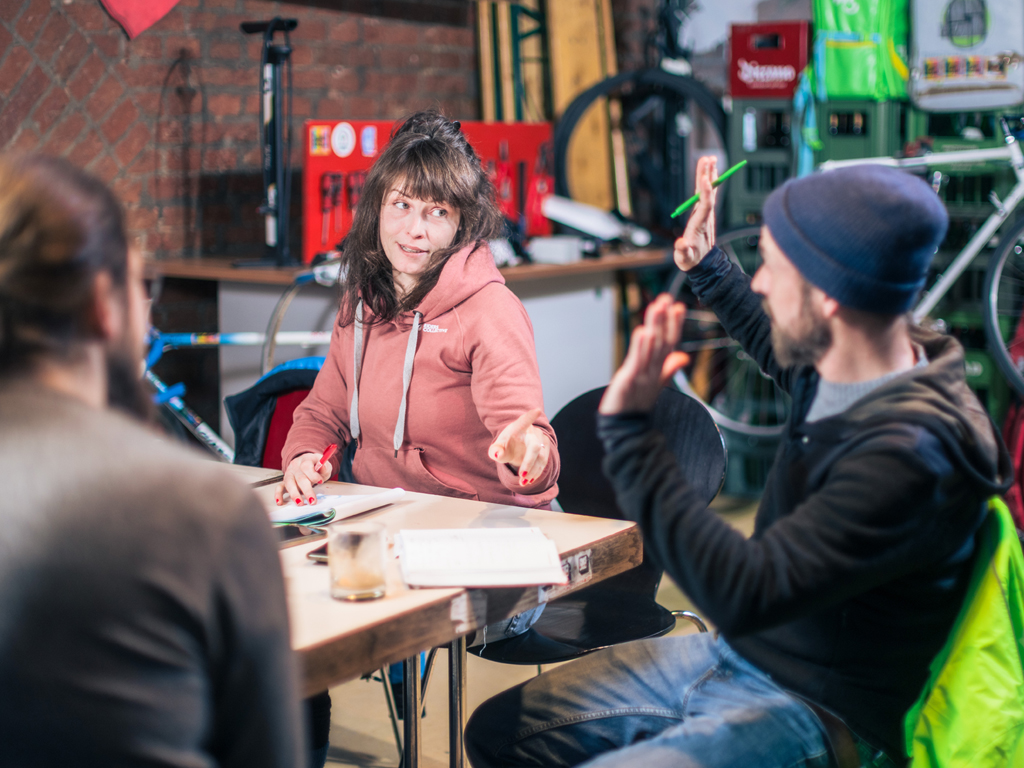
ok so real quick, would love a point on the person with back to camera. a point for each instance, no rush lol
(432, 370)
(142, 606)
(864, 540)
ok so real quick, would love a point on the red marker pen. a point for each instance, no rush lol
(328, 452)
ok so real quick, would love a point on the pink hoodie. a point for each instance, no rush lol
(473, 370)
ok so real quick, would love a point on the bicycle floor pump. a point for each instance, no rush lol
(275, 143)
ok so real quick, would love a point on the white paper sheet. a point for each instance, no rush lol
(343, 505)
(478, 557)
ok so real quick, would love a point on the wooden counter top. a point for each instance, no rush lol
(221, 269)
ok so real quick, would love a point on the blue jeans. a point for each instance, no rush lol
(673, 702)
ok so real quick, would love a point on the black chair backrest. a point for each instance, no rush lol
(692, 436)
(250, 411)
(691, 433)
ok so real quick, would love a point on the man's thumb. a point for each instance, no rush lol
(673, 363)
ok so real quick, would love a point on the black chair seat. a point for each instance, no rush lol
(623, 608)
(581, 623)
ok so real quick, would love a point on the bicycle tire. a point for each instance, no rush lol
(274, 325)
(1004, 306)
(740, 398)
(623, 85)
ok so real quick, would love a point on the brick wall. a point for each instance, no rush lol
(634, 20)
(170, 119)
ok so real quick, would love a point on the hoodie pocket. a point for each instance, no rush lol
(380, 467)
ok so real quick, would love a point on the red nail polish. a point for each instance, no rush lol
(311, 500)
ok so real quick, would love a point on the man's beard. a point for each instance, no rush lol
(807, 346)
(124, 386)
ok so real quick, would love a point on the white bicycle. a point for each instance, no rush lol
(745, 401)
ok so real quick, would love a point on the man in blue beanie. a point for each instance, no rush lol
(831, 613)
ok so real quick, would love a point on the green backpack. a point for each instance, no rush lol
(860, 49)
(971, 712)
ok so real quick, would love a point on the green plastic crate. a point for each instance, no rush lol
(987, 382)
(760, 132)
(750, 461)
(850, 130)
(967, 186)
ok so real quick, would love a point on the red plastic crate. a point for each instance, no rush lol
(345, 150)
(766, 59)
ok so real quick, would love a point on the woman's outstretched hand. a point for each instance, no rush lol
(524, 447)
(650, 362)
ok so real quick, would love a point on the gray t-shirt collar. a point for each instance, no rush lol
(832, 398)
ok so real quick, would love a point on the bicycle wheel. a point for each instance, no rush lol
(1004, 306)
(667, 120)
(726, 379)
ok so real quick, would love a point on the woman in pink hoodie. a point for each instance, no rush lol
(432, 369)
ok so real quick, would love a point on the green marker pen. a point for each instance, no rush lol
(693, 200)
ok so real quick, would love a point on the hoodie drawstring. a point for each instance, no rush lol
(410, 354)
(353, 411)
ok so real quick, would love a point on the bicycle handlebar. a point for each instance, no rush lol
(934, 158)
(1011, 153)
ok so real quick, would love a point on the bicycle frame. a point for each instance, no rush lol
(244, 339)
(192, 421)
(326, 274)
(1011, 153)
(189, 418)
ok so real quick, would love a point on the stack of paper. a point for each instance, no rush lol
(333, 507)
(479, 557)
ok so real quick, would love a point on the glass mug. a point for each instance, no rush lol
(356, 557)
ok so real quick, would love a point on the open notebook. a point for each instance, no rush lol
(333, 507)
(478, 557)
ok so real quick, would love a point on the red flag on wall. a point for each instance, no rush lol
(136, 16)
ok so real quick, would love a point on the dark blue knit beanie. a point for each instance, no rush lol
(864, 235)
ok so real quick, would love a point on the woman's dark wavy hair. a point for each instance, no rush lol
(429, 158)
(59, 228)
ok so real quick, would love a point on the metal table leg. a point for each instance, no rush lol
(456, 700)
(411, 756)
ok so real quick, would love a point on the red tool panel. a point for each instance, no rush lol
(766, 59)
(340, 152)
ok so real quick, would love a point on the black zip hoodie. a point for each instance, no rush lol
(864, 538)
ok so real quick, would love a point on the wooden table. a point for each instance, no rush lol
(338, 641)
(257, 476)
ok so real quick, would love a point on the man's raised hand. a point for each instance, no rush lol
(699, 237)
(650, 362)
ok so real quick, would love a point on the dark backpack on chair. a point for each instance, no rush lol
(262, 414)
